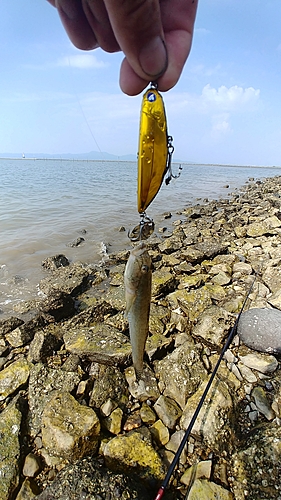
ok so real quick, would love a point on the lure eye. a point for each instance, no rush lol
(144, 269)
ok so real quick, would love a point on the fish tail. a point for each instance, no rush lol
(138, 372)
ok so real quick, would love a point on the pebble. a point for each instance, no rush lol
(260, 362)
(160, 433)
(31, 465)
(145, 388)
(174, 443)
(229, 357)
(247, 373)
(168, 411)
(114, 421)
(260, 329)
(197, 471)
(262, 403)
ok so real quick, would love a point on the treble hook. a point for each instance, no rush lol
(169, 171)
(143, 230)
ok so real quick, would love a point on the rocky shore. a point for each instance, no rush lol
(74, 422)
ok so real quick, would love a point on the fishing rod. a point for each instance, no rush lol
(165, 483)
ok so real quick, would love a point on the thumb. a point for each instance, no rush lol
(138, 30)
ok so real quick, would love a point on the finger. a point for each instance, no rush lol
(178, 46)
(130, 83)
(138, 30)
(98, 20)
(76, 24)
(178, 19)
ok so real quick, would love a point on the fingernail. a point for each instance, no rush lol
(153, 57)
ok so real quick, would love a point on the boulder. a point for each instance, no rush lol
(69, 430)
(260, 329)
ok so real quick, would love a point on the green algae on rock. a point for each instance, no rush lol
(134, 453)
(69, 430)
(100, 343)
(13, 377)
(10, 424)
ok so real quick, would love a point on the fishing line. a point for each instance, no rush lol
(173, 465)
(83, 114)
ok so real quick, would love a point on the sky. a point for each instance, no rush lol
(225, 109)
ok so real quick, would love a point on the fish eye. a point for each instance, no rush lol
(144, 269)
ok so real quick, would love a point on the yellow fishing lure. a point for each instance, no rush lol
(154, 157)
(153, 148)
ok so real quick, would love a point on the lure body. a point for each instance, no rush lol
(153, 150)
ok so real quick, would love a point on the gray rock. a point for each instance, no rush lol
(272, 278)
(100, 343)
(260, 329)
(212, 325)
(31, 465)
(174, 443)
(42, 346)
(93, 314)
(24, 333)
(71, 279)
(9, 324)
(87, 478)
(262, 403)
(181, 372)
(53, 263)
(221, 279)
(210, 248)
(168, 411)
(109, 383)
(263, 363)
(43, 381)
(69, 430)
(144, 388)
(257, 464)
(57, 306)
(215, 421)
(76, 242)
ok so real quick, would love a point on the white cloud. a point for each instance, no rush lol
(211, 101)
(232, 98)
(81, 61)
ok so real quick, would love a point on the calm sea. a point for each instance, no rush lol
(46, 204)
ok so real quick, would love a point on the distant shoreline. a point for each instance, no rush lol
(130, 161)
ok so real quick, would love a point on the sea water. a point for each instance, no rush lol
(45, 205)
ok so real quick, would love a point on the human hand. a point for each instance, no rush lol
(154, 35)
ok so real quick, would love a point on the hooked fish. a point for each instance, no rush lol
(137, 277)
